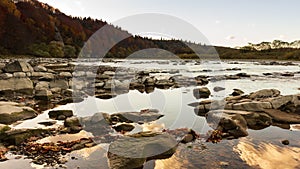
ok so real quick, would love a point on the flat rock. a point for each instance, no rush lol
(265, 93)
(19, 75)
(16, 137)
(45, 76)
(47, 123)
(54, 114)
(252, 106)
(283, 117)
(18, 66)
(11, 113)
(279, 101)
(6, 75)
(21, 85)
(124, 127)
(39, 68)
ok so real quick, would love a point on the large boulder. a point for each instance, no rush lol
(20, 85)
(265, 93)
(18, 66)
(254, 120)
(11, 112)
(232, 124)
(133, 151)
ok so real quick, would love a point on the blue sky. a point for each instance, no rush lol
(223, 22)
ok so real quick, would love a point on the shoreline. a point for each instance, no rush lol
(17, 57)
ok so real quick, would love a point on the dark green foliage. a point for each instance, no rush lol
(41, 50)
(69, 51)
(56, 49)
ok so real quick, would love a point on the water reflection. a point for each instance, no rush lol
(267, 155)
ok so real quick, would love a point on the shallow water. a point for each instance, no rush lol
(261, 149)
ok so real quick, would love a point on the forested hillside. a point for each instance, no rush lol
(28, 27)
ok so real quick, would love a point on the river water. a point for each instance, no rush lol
(261, 149)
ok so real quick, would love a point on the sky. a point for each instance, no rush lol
(223, 22)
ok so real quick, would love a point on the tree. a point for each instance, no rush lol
(69, 51)
(41, 50)
(56, 49)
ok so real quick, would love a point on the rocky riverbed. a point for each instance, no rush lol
(38, 122)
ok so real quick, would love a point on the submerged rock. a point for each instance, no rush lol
(143, 116)
(47, 123)
(98, 124)
(200, 93)
(218, 88)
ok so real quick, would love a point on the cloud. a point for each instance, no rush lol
(230, 37)
(217, 21)
(282, 36)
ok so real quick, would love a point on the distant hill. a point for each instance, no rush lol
(29, 27)
(276, 44)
